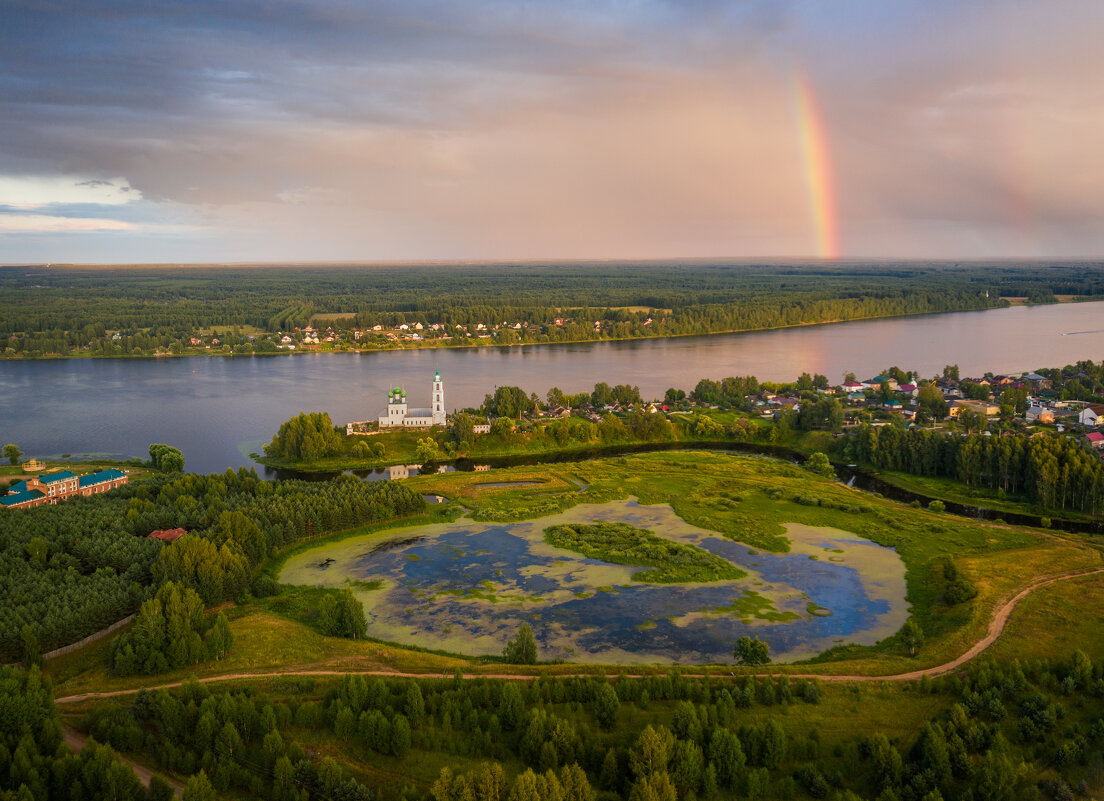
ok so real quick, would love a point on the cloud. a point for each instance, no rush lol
(496, 129)
(37, 191)
(311, 195)
(37, 223)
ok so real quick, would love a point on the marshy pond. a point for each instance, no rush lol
(466, 586)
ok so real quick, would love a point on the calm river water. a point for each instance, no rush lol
(218, 410)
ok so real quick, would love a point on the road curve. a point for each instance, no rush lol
(997, 622)
(76, 741)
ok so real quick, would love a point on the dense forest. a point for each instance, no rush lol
(1002, 733)
(69, 570)
(133, 311)
(1053, 472)
(35, 765)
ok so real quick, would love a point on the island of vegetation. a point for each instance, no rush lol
(622, 544)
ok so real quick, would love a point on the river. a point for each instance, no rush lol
(218, 410)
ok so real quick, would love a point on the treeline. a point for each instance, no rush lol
(69, 570)
(1005, 733)
(1053, 472)
(65, 310)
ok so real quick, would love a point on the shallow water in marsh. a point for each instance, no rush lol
(466, 586)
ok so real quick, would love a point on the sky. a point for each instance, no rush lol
(302, 130)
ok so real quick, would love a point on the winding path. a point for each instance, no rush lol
(997, 622)
(76, 742)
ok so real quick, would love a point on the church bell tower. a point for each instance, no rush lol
(438, 407)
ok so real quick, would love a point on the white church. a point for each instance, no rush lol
(398, 414)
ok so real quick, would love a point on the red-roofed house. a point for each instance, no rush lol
(1095, 440)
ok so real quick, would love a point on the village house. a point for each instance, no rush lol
(981, 407)
(1095, 440)
(1091, 415)
(1038, 382)
(1037, 413)
(883, 381)
(55, 487)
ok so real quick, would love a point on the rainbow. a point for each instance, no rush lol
(818, 171)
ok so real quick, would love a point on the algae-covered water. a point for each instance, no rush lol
(466, 586)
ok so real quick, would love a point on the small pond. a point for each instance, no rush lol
(466, 586)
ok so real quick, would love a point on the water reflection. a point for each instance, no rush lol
(219, 410)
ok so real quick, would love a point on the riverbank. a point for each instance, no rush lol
(533, 447)
(14, 472)
(475, 343)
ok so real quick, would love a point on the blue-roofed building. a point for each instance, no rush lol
(60, 486)
(101, 478)
(22, 498)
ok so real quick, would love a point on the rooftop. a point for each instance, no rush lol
(100, 477)
(13, 498)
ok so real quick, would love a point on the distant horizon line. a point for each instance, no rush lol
(749, 260)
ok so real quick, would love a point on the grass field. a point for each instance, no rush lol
(1054, 622)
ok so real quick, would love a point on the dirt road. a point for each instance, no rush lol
(75, 740)
(997, 621)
